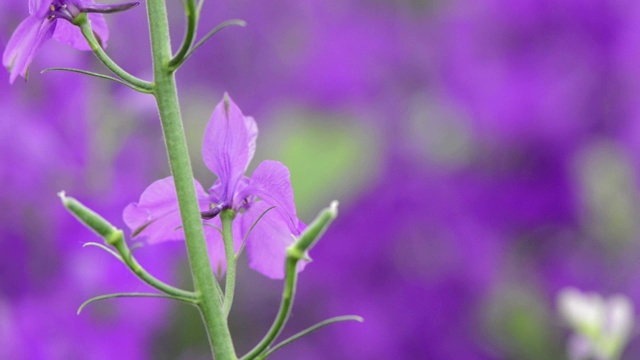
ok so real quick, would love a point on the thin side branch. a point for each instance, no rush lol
(309, 330)
(131, 295)
(105, 248)
(244, 240)
(99, 76)
(215, 30)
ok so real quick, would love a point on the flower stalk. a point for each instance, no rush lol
(168, 106)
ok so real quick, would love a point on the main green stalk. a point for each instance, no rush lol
(167, 99)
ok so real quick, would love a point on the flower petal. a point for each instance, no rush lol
(252, 136)
(268, 241)
(25, 42)
(271, 181)
(156, 216)
(37, 6)
(69, 34)
(226, 146)
(215, 191)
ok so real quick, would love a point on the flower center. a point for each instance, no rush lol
(62, 9)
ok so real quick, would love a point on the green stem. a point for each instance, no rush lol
(115, 238)
(140, 272)
(227, 217)
(87, 31)
(295, 252)
(189, 36)
(168, 106)
(286, 303)
(308, 331)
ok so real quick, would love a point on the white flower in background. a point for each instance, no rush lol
(601, 326)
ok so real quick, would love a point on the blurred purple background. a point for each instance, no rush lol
(485, 155)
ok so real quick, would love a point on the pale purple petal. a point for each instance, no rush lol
(268, 241)
(21, 41)
(225, 147)
(153, 227)
(69, 34)
(271, 181)
(156, 216)
(35, 5)
(215, 244)
(26, 40)
(215, 191)
(252, 133)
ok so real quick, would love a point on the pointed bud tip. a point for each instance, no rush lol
(63, 197)
(132, 4)
(334, 206)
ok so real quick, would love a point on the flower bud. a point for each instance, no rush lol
(313, 232)
(91, 219)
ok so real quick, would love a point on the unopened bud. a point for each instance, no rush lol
(313, 232)
(91, 219)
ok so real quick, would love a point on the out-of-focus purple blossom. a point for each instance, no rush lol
(46, 273)
(42, 25)
(228, 146)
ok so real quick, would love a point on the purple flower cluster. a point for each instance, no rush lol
(228, 147)
(42, 25)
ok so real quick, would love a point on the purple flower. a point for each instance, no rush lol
(42, 25)
(228, 146)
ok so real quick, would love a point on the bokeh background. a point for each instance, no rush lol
(485, 154)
